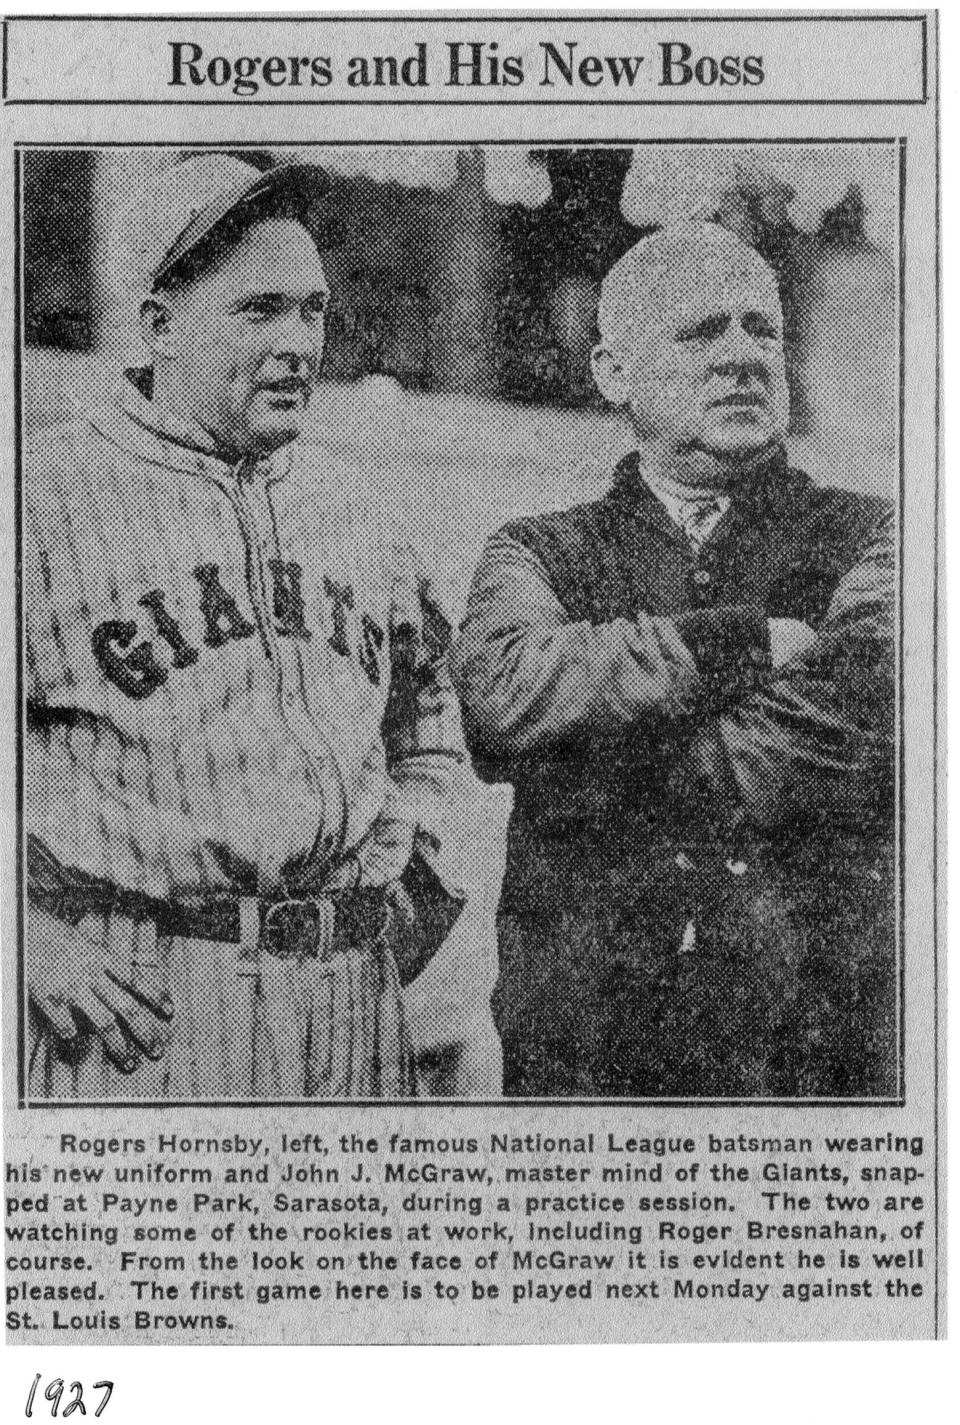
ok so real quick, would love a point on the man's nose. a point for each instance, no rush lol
(738, 353)
(299, 341)
(743, 368)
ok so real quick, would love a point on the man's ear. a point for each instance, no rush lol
(610, 375)
(155, 322)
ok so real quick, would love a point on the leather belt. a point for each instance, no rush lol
(314, 927)
(298, 929)
(291, 929)
(288, 929)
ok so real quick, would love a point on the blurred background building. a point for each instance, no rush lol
(465, 285)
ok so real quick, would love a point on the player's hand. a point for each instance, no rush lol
(790, 638)
(77, 990)
(385, 853)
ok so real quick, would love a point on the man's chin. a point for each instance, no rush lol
(268, 436)
(735, 440)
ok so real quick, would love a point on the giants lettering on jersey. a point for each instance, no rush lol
(136, 670)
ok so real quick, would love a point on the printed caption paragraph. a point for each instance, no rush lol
(196, 1236)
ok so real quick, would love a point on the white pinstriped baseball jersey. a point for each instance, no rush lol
(210, 658)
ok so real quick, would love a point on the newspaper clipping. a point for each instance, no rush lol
(470, 698)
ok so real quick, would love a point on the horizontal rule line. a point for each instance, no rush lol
(465, 142)
(862, 17)
(469, 103)
(459, 1104)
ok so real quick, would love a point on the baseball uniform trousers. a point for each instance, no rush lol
(313, 1011)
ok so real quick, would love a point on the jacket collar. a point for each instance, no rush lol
(757, 490)
(132, 423)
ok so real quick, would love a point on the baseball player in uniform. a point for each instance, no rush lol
(242, 752)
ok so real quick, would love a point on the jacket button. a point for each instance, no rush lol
(701, 577)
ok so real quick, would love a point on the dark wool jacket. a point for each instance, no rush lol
(698, 898)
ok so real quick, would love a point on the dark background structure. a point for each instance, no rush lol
(450, 290)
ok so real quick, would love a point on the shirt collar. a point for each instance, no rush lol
(697, 512)
(675, 494)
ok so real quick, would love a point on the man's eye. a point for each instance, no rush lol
(706, 330)
(755, 325)
(314, 309)
(262, 309)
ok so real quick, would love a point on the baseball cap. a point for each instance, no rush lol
(193, 194)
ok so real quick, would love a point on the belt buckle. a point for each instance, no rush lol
(294, 930)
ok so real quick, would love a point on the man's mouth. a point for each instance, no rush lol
(287, 386)
(741, 398)
(286, 392)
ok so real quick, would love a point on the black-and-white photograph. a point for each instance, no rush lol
(459, 593)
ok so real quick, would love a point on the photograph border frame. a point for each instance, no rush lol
(899, 144)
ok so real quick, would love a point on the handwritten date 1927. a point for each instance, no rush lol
(54, 1393)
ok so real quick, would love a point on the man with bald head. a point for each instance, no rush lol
(680, 313)
(688, 683)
